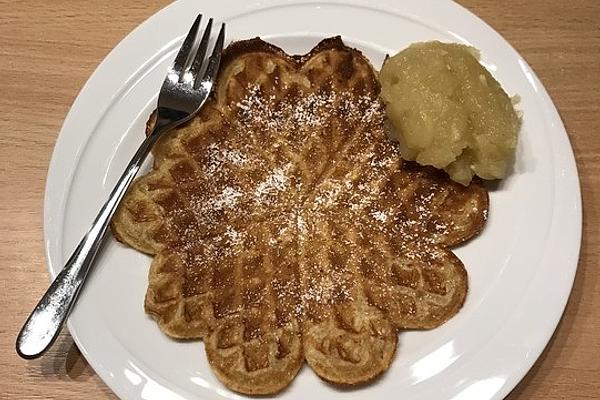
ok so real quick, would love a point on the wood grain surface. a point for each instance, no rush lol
(49, 49)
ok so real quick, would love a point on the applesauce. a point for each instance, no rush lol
(449, 112)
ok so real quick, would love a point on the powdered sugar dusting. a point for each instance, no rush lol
(275, 182)
(306, 112)
(228, 198)
(379, 216)
(290, 180)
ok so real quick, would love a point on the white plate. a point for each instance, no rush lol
(521, 268)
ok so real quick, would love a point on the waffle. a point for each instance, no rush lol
(286, 228)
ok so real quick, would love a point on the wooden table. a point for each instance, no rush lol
(49, 49)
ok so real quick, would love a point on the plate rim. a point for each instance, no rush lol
(54, 176)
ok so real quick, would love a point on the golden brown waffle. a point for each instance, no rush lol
(285, 227)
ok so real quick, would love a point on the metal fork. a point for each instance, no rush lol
(183, 93)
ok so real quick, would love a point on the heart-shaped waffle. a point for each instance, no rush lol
(285, 226)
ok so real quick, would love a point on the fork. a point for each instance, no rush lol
(186, 88)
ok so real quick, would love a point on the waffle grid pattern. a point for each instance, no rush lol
(285, 227)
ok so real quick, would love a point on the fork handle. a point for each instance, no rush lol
(46, 320)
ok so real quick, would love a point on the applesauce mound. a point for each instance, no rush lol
(449, 112)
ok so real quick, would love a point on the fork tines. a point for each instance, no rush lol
(187, 66)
